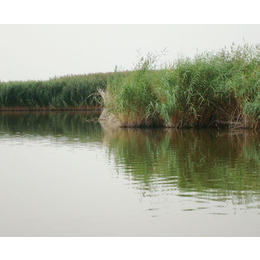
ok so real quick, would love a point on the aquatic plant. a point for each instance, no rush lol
(74, 92)
(211, 89)
(132, 97)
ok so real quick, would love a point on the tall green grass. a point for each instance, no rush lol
(57, 93)
(132, 97)
(212, 88)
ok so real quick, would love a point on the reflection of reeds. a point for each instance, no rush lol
(200, 160)
(67, 124)
(211, 89)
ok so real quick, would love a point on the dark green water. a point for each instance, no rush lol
(62, 176)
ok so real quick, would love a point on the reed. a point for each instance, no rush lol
(132, 96)
(211, 89)
(68, 92)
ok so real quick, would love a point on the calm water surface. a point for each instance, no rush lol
(63, 176)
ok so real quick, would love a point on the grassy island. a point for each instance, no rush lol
(213, 88)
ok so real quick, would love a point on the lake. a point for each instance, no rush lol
(64, 174)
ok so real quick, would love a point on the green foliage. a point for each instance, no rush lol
(211, 87)
(132, 96)
(64, 92)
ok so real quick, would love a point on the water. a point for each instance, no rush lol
(63, 176)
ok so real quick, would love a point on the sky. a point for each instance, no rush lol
(43, 51)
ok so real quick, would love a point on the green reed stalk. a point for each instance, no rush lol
(64, 92)
(211, 88)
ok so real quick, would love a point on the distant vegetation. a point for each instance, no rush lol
(68, 92)
(212, 88)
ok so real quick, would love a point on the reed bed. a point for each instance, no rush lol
(68, 92)
(213, 88)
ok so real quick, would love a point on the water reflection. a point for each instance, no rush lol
(63, 127)
(215, 163)
(201, 164)
(125, 181)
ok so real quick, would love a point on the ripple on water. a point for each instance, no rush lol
(181, 175)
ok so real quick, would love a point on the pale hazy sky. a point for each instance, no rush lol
(42, 51)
